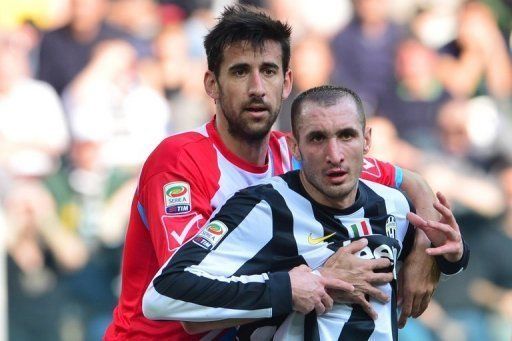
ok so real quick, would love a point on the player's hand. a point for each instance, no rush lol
(417, 281)
(419, 274)
(309, 290)
(361, 273)
(444, 234)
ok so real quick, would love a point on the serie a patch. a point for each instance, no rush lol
(177, 197)
(211, 235)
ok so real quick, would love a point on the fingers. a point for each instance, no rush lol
(406, 310)
(424, 304)
(327, 302)
(416, 220)
(380, 278)
(377, 264)
(365, 304)
(376, 293)
(356, 246)
(446, 213)
(333, 283)
(443, 250)
(447, 230)
(442, 199)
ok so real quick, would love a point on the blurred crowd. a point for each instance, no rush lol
(89, 87)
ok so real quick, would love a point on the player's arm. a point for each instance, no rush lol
(419, 274)
(200, 281)
(203, 280)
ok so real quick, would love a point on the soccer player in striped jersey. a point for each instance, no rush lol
(239, 265)
(190, 174)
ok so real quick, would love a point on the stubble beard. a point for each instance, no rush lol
(332, 192)
(241, 127)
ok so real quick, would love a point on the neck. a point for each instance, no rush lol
(342, 202)
(254, 151)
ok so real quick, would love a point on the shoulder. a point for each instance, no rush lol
(391, 196)
(181, 152)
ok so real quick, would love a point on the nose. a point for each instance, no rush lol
(334, 152)
(256, 85)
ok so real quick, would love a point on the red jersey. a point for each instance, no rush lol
(182, 182)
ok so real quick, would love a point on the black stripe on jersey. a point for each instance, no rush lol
(311, 332)
(378, 209)
(178, 284)
(325, 214)
(281, 253)
(358, 327)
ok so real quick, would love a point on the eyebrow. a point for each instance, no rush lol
(344, 131)
(239, 66)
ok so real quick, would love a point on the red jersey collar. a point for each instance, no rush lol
(232, 157)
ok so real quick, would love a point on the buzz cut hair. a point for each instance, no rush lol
(242, 23)
(326, 96)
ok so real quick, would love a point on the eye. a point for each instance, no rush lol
(239, 72)
(347, 135)
(269, 71)
(316, 138)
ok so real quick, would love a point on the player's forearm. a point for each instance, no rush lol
(198, 298)
(201, 327)
(421, 195)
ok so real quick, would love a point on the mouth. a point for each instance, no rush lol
(336, 175)
(256, 110)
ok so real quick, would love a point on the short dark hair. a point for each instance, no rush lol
(325, 95)
(245, 23)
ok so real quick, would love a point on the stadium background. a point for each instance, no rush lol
(79, 113)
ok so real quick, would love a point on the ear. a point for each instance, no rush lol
(210, 85)
(293, 146)
(288, 82)
(367, 140)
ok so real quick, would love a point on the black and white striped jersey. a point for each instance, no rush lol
(237, 266)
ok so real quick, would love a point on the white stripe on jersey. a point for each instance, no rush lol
(187, 311)
(397, 205)
(283, 146)
(233, 178)
(227, 257)
(313, 254)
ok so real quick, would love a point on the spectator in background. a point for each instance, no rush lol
(474, 131)
(182, 78)
(139, 18)
(312, 63)
(64, 52)
(32, 125)
(107, 102)
(494, 290)
(477, 61)
(413, 104)
(32, 137)
(92, 203)
(364, 52)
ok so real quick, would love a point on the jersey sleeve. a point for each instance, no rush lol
(207, 279)
(173, 204)
(381, 172)
(448, 268)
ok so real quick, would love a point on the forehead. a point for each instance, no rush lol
(244, 52)
(317, 117)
